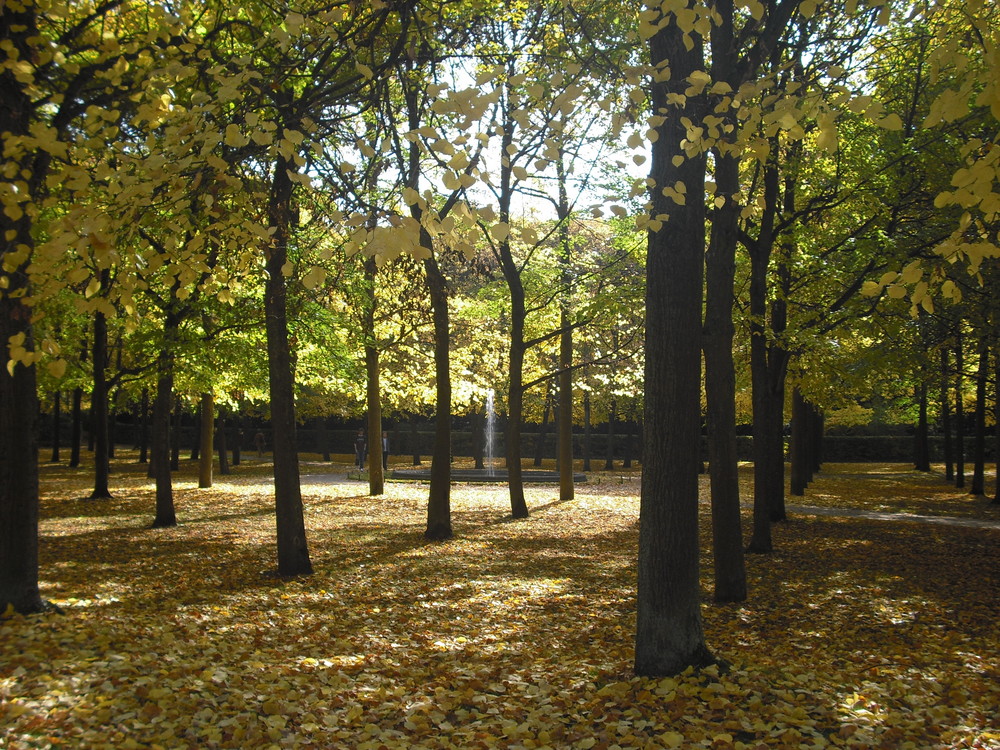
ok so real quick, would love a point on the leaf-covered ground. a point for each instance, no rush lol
(858, 632)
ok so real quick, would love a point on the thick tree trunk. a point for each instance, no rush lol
(207, 440)
(439, 499)
(293, 551)
(978, 486)
(720, 386)
(669, 635)
(99, 409)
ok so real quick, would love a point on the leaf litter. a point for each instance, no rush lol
(858, 633)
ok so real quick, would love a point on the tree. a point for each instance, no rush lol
(669, 635)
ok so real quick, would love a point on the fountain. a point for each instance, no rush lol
(490, 473)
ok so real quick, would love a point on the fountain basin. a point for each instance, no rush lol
(485, 476)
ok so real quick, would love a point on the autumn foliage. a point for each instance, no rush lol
(858, 632)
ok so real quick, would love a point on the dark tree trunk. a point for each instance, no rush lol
(439, 499)
(99, 409)
(293, 551)
(959, 416)
(586, 431)
(921, 445)
(76, 428)
(18, 385)
(196, 437)
(178, 433)
(996, 422)
(144, 427)
(768, 363)
(160, 458)
(949, 460)
(564, 420)
(324, 438)
(978, 486)
(373, 395)
(720, 371)
(56, 425)
(669, 635)
(206, 435)
(799, 458)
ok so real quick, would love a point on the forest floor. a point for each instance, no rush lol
(860, 631)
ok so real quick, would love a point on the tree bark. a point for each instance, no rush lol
(543, 429)
(373, 395)
(160, 457)
(586, 431)
(293, 551)
(609, 446)
(799, 458)
(99, 409)
(207, 440)
(978, 486)
(959, 415)
(949, 462)
(439, 499)
(222, 444)
(720, 370)
(18, 384)
(669, 634)
(564, 420)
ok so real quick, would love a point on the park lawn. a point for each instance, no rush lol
(857, 633)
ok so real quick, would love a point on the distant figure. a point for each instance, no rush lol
(385, 450)
(360, 446)
(258, 441)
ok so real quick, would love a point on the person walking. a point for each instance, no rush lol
(360, 447)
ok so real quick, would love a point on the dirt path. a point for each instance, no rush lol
(972, 523)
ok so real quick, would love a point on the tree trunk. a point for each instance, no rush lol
(415, 438)
(959, 416)
(439, 499)
(373, 395)
(207, 440)
(477, 423)
(564, 420)
(18, 384)
(160, 454)
(768, 362)
(921, 445)
(99, 409)
(720, 382)
(237, 438)
(629, 438)
(586, 431)
(669, 635)
(609, 447)
(978, 486)
(949, 462)
(996, 422)
(293, 551)
(799, 444)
